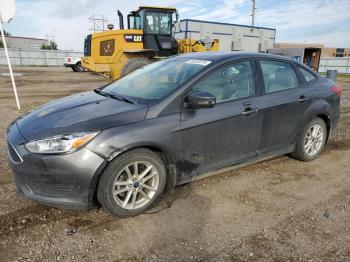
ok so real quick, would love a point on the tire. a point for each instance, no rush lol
(78, 67)
(308, 146)
(116, 179)
(134, 63)
(74, 68)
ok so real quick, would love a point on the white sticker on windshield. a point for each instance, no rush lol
(198, 62)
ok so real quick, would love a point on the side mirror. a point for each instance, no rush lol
(200, 99)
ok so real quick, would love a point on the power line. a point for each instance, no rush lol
(99, 22)
(50, 37)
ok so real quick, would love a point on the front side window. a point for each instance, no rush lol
(158, 23)
(134, 21)
(155, 81)
(107, 47)
(278, 76)
(229, 83)
(308, 76)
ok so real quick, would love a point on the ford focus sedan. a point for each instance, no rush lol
(166, 124)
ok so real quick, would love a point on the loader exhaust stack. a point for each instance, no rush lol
(121, 20)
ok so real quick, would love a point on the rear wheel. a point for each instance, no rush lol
(134, 63)
(311, 141)
(131, 183)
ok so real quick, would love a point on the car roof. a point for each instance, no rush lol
(218, 56)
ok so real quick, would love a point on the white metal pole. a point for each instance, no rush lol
(9, 64)
(253, 13)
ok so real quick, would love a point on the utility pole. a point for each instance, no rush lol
(53, 37)
(253, 12)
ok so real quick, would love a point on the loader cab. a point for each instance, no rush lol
(157, 24)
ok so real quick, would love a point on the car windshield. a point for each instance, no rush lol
(155, 81)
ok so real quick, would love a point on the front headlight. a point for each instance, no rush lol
(60, 144)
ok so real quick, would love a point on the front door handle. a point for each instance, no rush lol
(249, 111)
(302, 98)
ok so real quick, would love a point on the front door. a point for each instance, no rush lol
(158, 33)
(230, 131)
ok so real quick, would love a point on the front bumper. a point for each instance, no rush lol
(68, 65)
(65, 180)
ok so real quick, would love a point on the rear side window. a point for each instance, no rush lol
(308, 76)
(278, 76)
(107, 47)
(87, 46)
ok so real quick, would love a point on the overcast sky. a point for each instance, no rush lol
(313, 21)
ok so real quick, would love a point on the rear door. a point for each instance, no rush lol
(230, 131)
(284, 102)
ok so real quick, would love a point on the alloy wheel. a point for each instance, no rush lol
(135, 185)
(314, 140)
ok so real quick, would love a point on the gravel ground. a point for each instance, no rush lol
(276, 210)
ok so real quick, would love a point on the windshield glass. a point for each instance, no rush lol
(156, 80)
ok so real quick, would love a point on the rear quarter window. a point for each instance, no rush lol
(307, 75)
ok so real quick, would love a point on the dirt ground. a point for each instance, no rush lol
(277, 210)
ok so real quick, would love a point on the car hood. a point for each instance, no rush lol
(82, 112)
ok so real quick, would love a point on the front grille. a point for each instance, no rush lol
(13, 154)
(51, 186)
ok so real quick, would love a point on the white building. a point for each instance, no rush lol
(19, 42)
(232, 37)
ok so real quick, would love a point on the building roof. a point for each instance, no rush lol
(22, 37)
(299, 45)
(220, 23)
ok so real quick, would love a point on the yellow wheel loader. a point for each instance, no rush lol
(149, 36)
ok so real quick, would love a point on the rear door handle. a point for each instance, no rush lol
(302, 98)
(249, 111)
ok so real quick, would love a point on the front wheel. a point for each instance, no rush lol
(131, 183)
(78, 67)
(311, 141)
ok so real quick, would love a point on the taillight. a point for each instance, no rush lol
(336, 90)
(69, 60)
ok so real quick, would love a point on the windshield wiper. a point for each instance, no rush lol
(117, 97)
(100, 92)
(122, 98)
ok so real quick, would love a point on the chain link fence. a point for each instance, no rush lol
(30, 57)
(341, 64)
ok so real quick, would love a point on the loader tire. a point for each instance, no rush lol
(133, 64)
